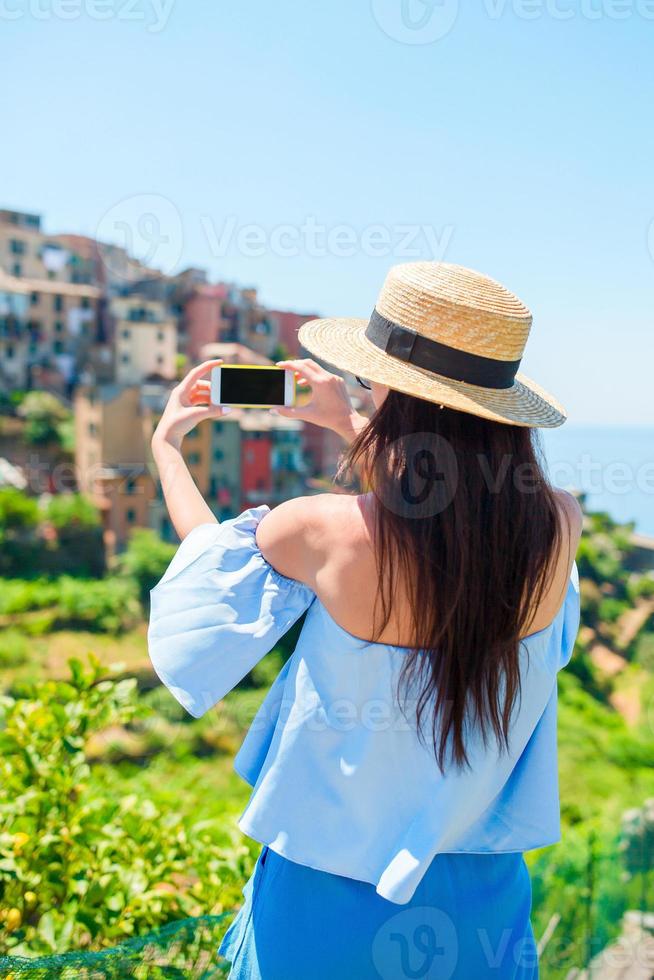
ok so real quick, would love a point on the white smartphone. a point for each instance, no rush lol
(252, 386)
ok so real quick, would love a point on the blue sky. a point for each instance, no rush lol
(513, 136)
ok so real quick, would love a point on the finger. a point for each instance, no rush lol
(197, 373)
(304, 366)
(196, 413)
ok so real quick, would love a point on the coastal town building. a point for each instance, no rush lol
(144, 340)
(84, 320)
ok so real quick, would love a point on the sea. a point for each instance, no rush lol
(612, 465)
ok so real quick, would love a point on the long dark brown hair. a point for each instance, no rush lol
(467, 522)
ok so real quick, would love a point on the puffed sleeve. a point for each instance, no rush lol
(219, 608)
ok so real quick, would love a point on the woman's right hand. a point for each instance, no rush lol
(329, 405)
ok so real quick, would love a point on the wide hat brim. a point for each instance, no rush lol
(342, 343)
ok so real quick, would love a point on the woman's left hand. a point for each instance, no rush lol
(188, 404)
(329, 406)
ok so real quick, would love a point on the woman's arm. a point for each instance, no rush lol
(188, 404)
(330, 405)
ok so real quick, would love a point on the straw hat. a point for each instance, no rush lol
(445, 334)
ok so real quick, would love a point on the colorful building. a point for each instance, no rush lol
(287, 326)
(144, 340)
(47, 331)
(203, 321)
(256, 458)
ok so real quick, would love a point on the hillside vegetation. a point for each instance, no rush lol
(118, 812)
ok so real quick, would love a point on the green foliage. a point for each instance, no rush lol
(76, 547)
(644, 651)
(641, 586)
(81, 867)
(43, 414)
(18, 512)
(19, 515)
(74, 509)
(611, 609)
(146, 559)
(14, 648)
(104, 605)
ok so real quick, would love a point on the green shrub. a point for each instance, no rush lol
(17, 510)
(644, 651)
(81, 867)
(107, 605)
(43, 414)
(145, 560)
(72, 508)
(14, 648)
(100, 605)
(21, 596)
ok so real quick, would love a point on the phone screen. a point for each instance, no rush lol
(252, 386)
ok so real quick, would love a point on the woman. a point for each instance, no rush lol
(405, 757)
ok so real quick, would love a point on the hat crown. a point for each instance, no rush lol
(458, 307)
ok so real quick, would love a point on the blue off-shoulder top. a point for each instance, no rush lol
(341, 781)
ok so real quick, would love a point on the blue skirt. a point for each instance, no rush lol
(468, 920)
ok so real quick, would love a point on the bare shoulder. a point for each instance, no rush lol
(296, 536)
(572, 514)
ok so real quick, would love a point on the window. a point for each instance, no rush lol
(9, 351)
(58, 347)
(124, 359)
(93, 429)
(130, 486)
(131, 516)
(160, 359)
(126, 334)
(193, 434)
(217, 427)
(58, 303)
(34, 299)
(218, 455)
(17, 269)
(17, 247)
(193, 459)
(86, 303)
(59, 327)
(160, 335)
